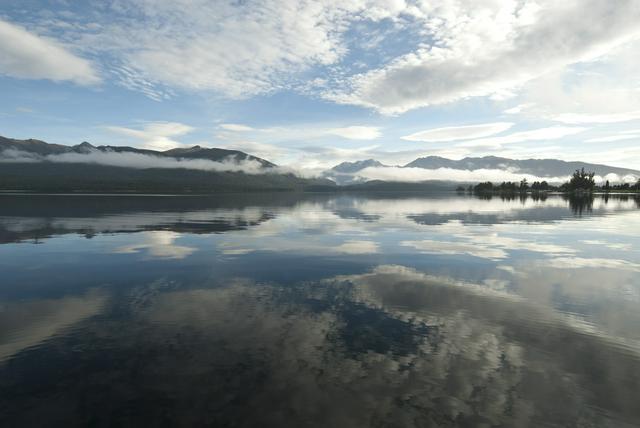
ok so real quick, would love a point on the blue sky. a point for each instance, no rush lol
(312, 84)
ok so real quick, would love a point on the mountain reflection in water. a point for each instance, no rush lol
(319, 310)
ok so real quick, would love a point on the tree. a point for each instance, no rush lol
(486, 187)
(581, 181)
(540, 186)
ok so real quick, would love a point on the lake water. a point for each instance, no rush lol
(319, 310)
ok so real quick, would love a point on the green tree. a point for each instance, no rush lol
(581, 181)
(486, 187)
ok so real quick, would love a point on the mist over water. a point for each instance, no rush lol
(319, 310)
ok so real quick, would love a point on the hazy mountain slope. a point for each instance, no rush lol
(195, 152)
(538, 167)
(51, 175)
(32, 146)
(350, 167)
(80, 177)
(345, 173)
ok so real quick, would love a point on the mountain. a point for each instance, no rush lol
(37, 166)
(351, 167)
(33, 146)
(345, 173)
(537, 167)
(196, 152)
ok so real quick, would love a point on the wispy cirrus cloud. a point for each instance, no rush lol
(613, 138)
(306, 132)
(583, 118)
(539, 134)
(356, 132)
(453, 133)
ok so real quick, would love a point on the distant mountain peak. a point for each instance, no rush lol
(83, 147)
(351, 167)
(185, 149)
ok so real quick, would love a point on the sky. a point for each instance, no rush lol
(310, 84)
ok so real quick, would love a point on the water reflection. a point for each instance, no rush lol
(321, 310)
(35, 218)
(27, 324)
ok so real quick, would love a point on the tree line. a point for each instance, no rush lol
(581, 182)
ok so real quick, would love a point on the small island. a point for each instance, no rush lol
(581, 183)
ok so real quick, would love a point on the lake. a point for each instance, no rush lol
(332, 310)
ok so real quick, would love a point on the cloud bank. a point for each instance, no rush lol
(413, 175)
(449, 174)
(141, 161)
(231, 164)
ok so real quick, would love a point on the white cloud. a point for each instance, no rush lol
(451, 49)
(594, 263)
(483, 48)
(453, 133)
(356, 132)
(540, 134)
(28, 56)
(159, 244)
(155, 135)
(491, 246)
(357, 247)
(449, 174)
(236, 49)
(611, 245)
(517, 109)
(612, 138)
(605, 91)
(427, 246)
(303, 132)
(578, 118)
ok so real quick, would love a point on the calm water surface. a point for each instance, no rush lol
(332, 311)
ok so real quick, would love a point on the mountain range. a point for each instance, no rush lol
(196, 152)
(34, 165)
(37, 166)
(347, 172)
